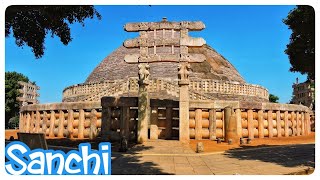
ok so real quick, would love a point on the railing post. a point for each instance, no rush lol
(286, 124)
(250, 124)
(260, 124)
(70, 123)
(81, 124)
(297, 120)
(93, 124)
(37, 121)
(52, 121)
(198, 128)
(61, 126)
(212, 124)
(278, 124)
(239, 123)
(270, 124)
(308, 128)
(44, 122)
(31, 122)
(303, 131)
(293, 124)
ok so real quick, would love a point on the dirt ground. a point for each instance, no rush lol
(11, 132)
(212, 146)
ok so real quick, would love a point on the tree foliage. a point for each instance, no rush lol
(301, 48)
(273, 98)
(11, 93)
(31, 24)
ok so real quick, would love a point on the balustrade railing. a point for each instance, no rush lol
(199, 89)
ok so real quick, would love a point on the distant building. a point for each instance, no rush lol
(303, 93)
(28, 93)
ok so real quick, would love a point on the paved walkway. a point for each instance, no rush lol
(171, 157)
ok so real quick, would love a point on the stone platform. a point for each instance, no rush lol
(173, 158)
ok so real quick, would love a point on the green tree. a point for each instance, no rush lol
(273, 98)
(11, 93)
(301, 48)
(31, 24)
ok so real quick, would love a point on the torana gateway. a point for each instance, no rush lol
(165, 84)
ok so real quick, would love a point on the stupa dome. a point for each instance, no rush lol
(216, 67)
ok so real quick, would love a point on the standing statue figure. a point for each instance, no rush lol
(184, 71)
(144, 72)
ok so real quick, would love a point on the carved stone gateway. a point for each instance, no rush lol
(174, 38)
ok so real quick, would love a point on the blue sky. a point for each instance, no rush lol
(252, 38)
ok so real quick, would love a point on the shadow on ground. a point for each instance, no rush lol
(288, 155)
(129, 163)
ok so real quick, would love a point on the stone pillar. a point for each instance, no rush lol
(227, 115)
(293, 123)
(239, 123)
(270, 124)
(32, 122)
(260, 124)
(286, 124)
(61, 126)
(308, 123)
(154, 122)
(250, 124)
(297, 123)
(44, 123)
(51, 127)
(37, 122)
(278, 124)
(70, 124)
(81, 124)
(230, 124)
(303, 131)
(212, 124)
(143, 103)
(93, 124)
(27, 122)
(198, 128)
(184, 134)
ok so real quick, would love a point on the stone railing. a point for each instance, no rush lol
(207, 119)
(227, 87)
(87, 89)
(113, 90)
(72, 120)
(252, 120)
(199, 90)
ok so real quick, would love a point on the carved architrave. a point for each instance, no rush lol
(151, 58)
